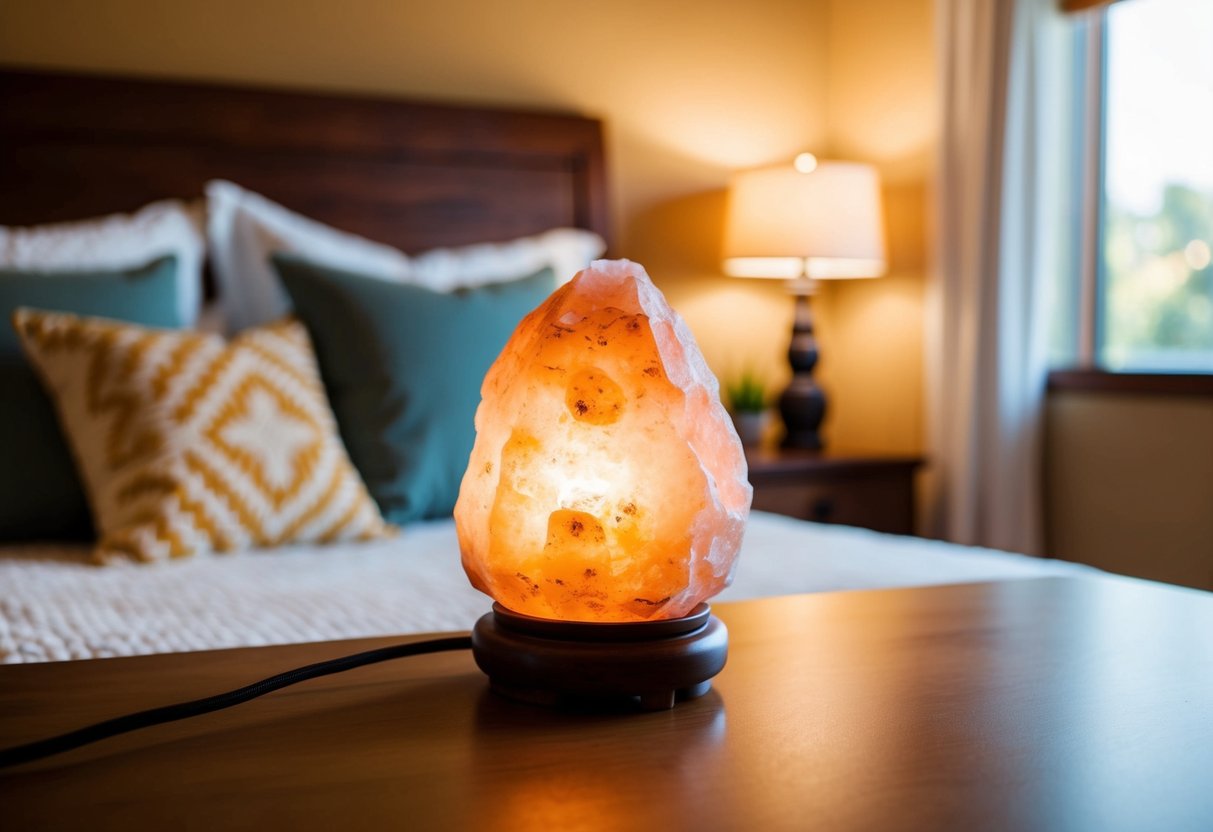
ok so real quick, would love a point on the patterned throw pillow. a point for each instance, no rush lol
(189, 444)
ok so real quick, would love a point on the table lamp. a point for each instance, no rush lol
(604, 500)
(803, 222)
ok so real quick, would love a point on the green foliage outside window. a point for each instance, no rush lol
(1158, 284)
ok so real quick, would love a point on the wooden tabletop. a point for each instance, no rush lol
(1037, 704)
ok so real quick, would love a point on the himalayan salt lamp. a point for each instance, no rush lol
(607, 482)
(604, 500)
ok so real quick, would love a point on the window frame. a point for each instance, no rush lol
(1090, 147)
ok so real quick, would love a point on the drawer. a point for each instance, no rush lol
(877, 500)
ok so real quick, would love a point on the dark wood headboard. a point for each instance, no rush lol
(414, 175)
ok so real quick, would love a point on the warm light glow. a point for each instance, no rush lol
(607, 482)
(1197, 255)
(825, 223)
(788, 268)
(805, 163)
(836, 268)
(792, 268)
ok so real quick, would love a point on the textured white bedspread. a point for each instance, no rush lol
(53, 605)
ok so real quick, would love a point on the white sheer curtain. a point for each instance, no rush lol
(1007, 113)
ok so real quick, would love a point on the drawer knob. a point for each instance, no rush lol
(821, 510)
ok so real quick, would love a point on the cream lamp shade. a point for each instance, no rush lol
(818, 220)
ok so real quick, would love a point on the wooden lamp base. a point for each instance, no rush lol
(548, 662)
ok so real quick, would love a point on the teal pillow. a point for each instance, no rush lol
(402, 366)
(41, 496)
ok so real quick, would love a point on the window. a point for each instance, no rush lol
(1153, 292)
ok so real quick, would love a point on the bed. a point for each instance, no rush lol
(55, 606)
(415, 176)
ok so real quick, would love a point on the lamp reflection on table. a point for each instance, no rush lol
(542, 770)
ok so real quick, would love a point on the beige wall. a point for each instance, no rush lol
(1129, 480)
(881, 108)
(689, 91)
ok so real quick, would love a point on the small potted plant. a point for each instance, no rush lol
(748, 404)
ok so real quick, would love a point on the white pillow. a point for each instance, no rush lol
(245, 229)
(117, 241)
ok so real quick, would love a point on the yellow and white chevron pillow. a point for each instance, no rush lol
(189, 444)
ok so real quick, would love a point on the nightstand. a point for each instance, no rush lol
(869, 490)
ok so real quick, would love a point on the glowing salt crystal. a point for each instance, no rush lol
(607, 482)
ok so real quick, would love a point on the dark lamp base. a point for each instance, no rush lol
(803, 404)
(554, 663)
(808, 440)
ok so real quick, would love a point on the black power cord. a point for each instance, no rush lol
(17, 755)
